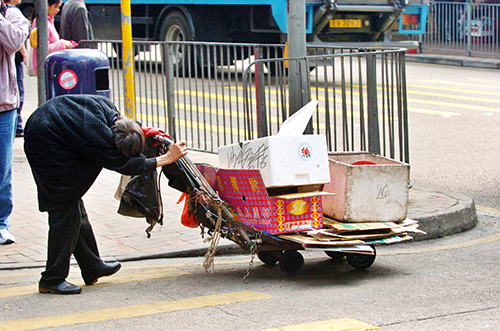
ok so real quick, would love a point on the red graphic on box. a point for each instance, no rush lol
(244, 191)
(305, 152)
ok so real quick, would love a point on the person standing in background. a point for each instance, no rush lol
(20, 57)
(55, 42)
(13, 33)
(75, 22)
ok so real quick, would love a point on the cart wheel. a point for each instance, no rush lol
(291, 262)
(335, 255)
(269, 257)
(361, 261)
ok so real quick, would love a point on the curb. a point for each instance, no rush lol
(225, 249)
(454, 61)
(458, 218)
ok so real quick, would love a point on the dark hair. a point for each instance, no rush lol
(128, 135)
(49, 3)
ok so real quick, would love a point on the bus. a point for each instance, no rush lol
(242, 21)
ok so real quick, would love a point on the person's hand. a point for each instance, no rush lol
(175, 152)
(68, 44)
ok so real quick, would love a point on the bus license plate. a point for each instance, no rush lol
(345, 23)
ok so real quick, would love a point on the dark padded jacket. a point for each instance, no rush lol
(68, 141)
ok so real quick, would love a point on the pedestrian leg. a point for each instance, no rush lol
(64, 228)
(86, 252)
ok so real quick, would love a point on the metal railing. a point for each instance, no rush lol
(361, 93)
(462, 27)
(205, 93)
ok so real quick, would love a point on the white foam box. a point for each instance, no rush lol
(366, 193)
(282, 160)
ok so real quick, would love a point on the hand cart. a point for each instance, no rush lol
(221, 221)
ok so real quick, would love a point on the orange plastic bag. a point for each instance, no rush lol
(187, 220)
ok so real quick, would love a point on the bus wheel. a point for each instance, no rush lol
(175, 27)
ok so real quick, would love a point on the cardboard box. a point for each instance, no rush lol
(245, 192)
(366, 193)
(282, 160)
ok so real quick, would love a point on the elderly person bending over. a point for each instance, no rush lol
(68, 141)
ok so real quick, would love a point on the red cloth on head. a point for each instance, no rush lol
(150, 132)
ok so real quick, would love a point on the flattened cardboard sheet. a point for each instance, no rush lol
(307, 240)
(342, 227)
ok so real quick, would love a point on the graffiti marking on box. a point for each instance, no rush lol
(248, 157)
(383, 191)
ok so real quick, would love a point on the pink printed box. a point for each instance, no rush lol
(245, 192)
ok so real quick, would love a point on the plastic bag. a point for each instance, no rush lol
(187, 219)
(141, 196)
(31, 68)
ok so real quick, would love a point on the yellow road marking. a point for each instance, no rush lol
(340, 324)
(454, 96)
(274, 119)
(491, 84)
(320, 98)
(120, 278)
(20, 274)
(456, 105)
(488, 210)
(453, 89)
(18, 291)
(130, 311)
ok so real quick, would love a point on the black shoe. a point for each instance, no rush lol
(63, 288)
(19, 134)
(107, 269)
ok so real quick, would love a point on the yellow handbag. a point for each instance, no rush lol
(34, 38)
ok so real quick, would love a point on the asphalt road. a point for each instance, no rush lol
(454, 123)
(446, 284)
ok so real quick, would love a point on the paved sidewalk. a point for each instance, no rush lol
(124, 238)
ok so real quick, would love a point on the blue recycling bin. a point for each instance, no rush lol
(77, 71)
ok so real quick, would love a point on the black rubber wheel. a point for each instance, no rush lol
(269, 257)
(335, 255)
(175, 27)
(291, 262)
(361, 261)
